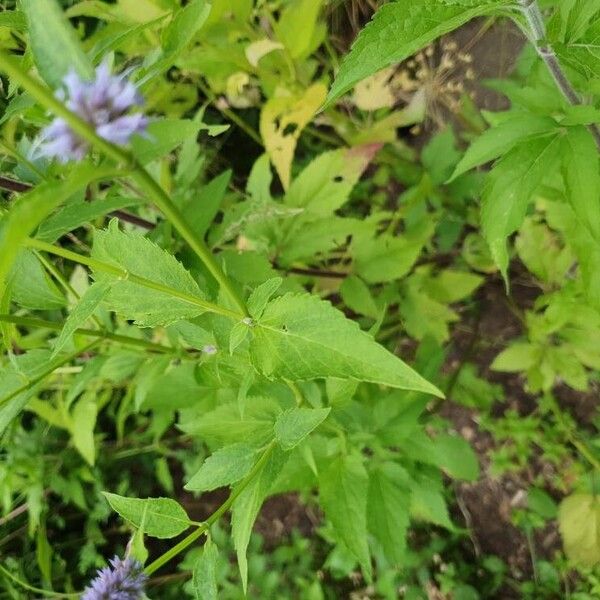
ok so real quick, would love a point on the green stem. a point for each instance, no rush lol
(26, 586)
(62, 281)
(55, 365)
(104, 335)
(144, 180)
(126, 275)
(192, 537)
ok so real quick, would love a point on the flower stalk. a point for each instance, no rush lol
(138, 173)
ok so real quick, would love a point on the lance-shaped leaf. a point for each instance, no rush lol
(301, 337)
(343, 490)
(398, 30)
(509, 189)
(54, 43)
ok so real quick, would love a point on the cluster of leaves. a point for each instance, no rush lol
(245, 338)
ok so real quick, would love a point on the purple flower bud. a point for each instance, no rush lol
(104, 104)
(123, 580)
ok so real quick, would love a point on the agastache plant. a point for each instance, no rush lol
(123, 580)
(105, 103)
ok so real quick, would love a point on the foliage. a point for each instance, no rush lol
(263, 298)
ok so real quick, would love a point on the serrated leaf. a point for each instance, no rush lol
(163, 518)
(579, 523)
(245, 510)
(53, 42)
(260, 297)
(509, 189)
(343, 489)
(225, 466)
(82, 311)
(388, 509)
(205, 573)
(581, 173)
(397, 31)
(31, 286)
(294, 425)
(142, 257)
(301, 337)
(500, 139)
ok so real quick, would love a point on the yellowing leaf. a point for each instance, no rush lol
(256, 50)
(375, 92)
(579, 523)
(281, 122)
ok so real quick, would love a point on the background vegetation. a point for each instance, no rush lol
(438, 184)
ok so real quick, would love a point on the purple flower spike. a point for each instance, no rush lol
(123, 580)
(104, 103)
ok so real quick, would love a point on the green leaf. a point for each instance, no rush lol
(456, 457)
(238, 334)
(31, 208)
(581, 173)
(427, 503)
(295, 424)
(164, 136)
(53, 42)
(509, 189)
(79, 211)
(397, 31)
(225, 424)
(202, 209)
(519, 356)
(343, 489)
(15, 19)
(579, 523)
(31, 286)
(224, 467)
(142, 257)
(388, 509)
(260, 297)
(82, 428)
(357, 296)
(500, 139)
(23, 369)
(245, 510)
(301, 337)
(83, 310)
(205, 573)
(325, 184)
(386, 257)
(296, 26)
(182, 29)
(164, 518)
